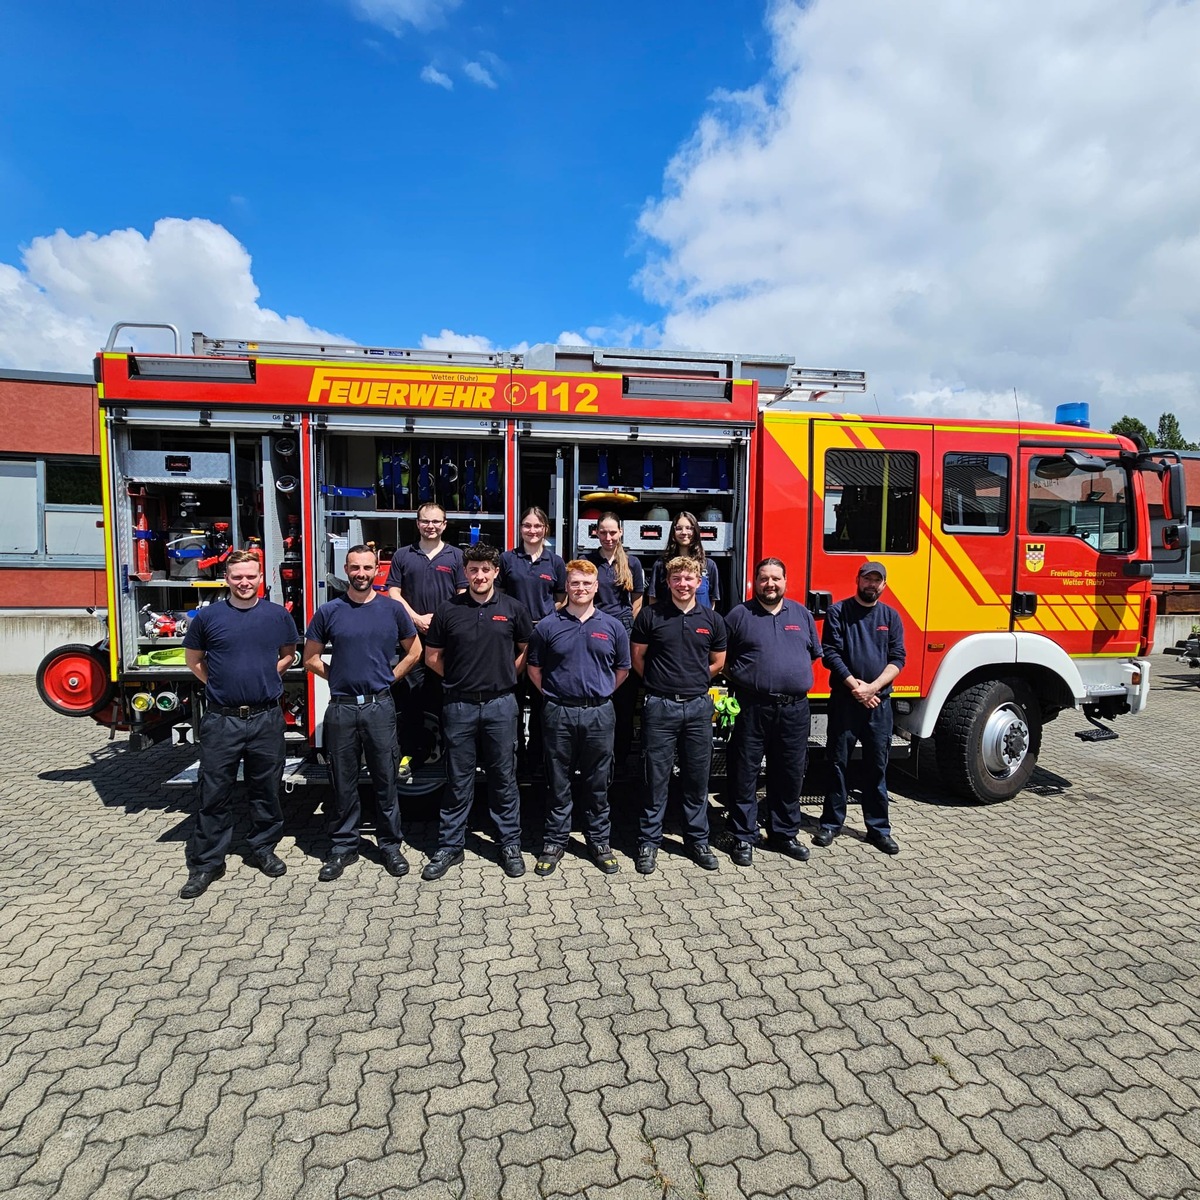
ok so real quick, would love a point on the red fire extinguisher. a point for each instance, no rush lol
(141, 537)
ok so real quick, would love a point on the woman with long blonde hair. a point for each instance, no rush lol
(622, 582)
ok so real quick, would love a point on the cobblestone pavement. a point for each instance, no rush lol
(1008, 1009)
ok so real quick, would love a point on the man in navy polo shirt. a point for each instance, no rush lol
(578, 657)
(421, 576)
(864, 651)
(239, 648)
(773, 644)
(476, 644)
(677, 646)
(364, 629)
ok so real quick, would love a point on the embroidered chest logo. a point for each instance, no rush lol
(500, 617)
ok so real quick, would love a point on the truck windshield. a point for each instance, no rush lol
(1093, 506)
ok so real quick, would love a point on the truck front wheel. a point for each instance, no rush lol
(987, 739)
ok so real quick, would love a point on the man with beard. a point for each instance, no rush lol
(864, 651)
(364, 629)
(476, 643)
(772, 646)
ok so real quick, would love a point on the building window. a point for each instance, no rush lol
(975, 493)
(50, 512)
(870, 502)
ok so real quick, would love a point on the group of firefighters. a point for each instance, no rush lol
(568, 641)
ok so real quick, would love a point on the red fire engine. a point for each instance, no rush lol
(1018, 554)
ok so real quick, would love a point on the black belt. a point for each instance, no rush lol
(770, 698)
(581, 702)
(243, 710)
(359, 701)
(676, 696)
(462, 697)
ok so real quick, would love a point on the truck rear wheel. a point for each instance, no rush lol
(73, 680)
(988, 738)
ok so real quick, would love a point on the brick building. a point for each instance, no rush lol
(51, 540)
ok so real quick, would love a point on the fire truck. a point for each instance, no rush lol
(1018, 554)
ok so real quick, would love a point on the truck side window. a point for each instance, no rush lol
(870, 502)
(1094, 506)
(975, 493)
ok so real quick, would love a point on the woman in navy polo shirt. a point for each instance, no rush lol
(537, 577)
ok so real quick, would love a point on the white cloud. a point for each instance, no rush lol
(56, 310)
(449, 340)
(958, 198)
(431, 74)
(478, 73)
(396, 15)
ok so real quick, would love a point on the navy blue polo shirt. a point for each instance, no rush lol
(677, 646)
(364, 638)
(861, 641)
(425, 582)
(579, 659)
(772, 652)
(241, 650)
(611, 599)
(535, 583)
(708, 592)
(481, 642)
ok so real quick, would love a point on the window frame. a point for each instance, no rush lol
(41, 557)
(979, 530)
(913, 534)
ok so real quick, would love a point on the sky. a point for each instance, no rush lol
(991, 207)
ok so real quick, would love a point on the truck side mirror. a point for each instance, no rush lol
(1174, 494)
(1175, 537)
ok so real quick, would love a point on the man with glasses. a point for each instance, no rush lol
(578, 657)
(422, 575)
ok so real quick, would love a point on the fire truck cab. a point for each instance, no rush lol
(1018, 555)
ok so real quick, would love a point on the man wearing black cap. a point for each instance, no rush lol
(863, 648)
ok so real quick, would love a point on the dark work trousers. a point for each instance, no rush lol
(780, 730)
(625, 706)
(669, 726)
(419, 692)
(577, 739)
(487, 730)
(366, 730)
(256, 741)
(529, 750)
(851, 722)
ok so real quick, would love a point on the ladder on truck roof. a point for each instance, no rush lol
(777, 375)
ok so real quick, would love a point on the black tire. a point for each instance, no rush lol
(988, 738)
(73, 680)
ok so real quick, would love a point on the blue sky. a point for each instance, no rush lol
(959, 199)
(374, 203)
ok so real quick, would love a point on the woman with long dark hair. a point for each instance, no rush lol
(685, 542)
